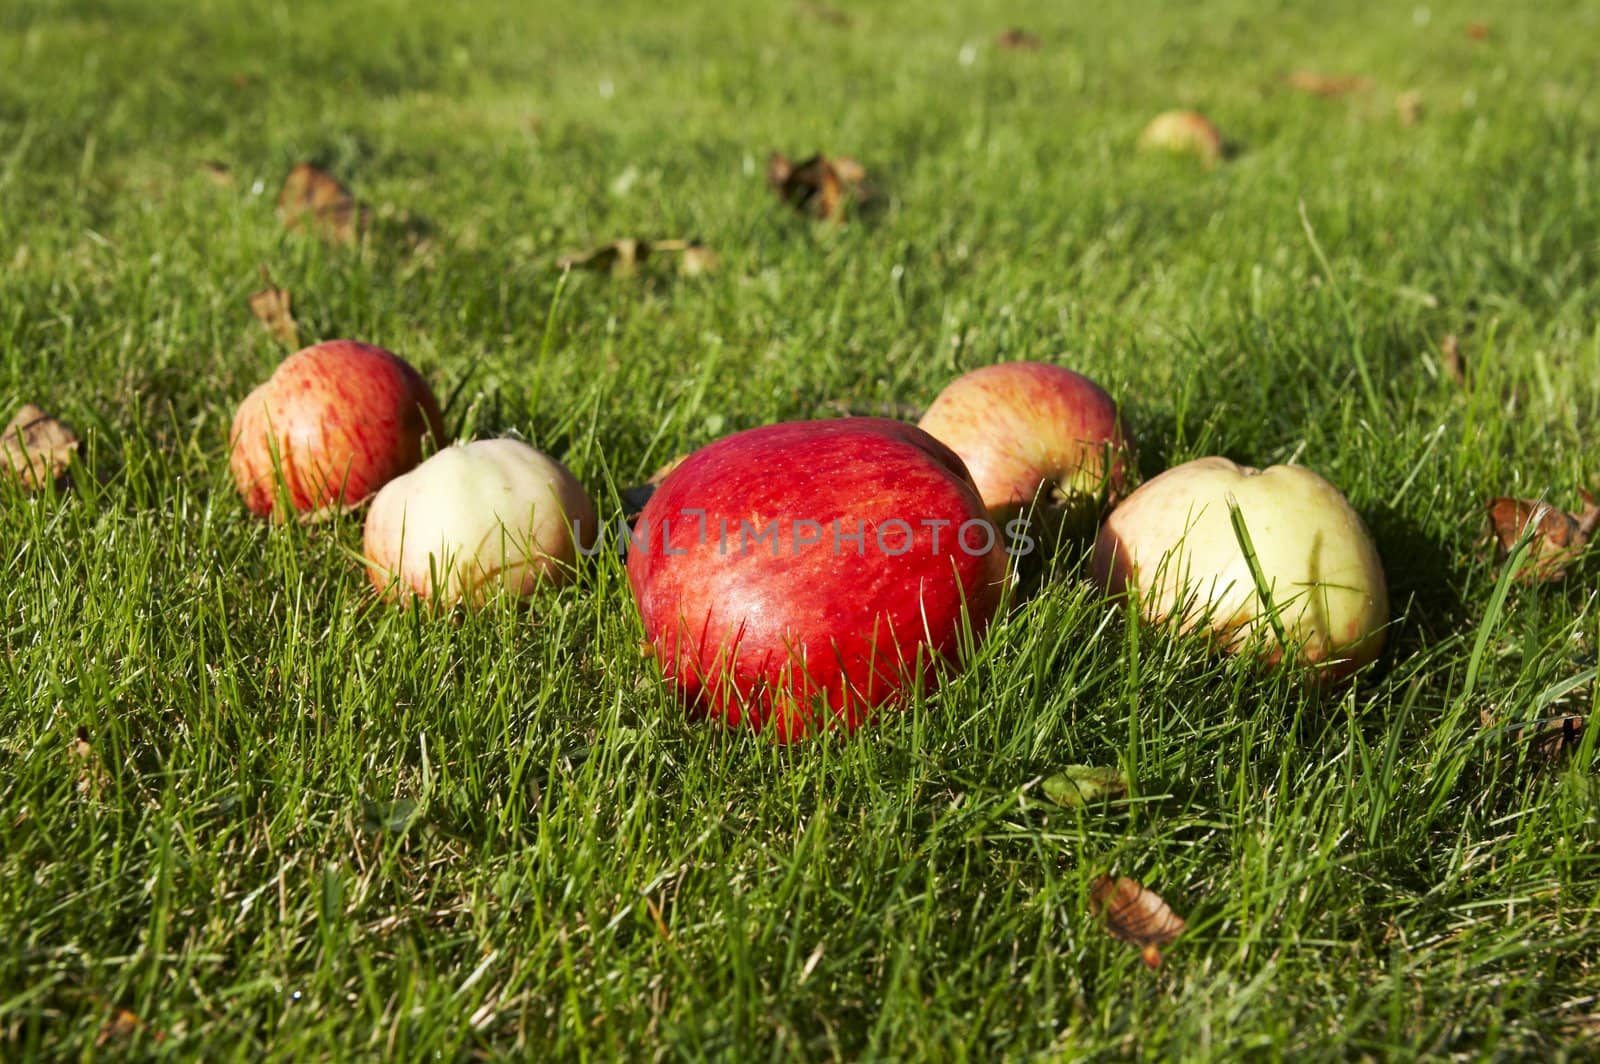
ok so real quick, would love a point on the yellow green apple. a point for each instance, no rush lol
(1176, 546)
(476, 520)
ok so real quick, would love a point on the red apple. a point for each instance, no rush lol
(339, 419)
(799, 576)
(477, 519)
(1173, 545)
(1032, 433)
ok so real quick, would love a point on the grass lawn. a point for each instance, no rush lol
(244, 813)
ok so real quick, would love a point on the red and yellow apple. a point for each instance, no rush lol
(1173, 546)
(336, 421)
(800, 576)
(1039, 440)
(477, 520)
(1183, 132)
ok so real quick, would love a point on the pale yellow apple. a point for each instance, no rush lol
(1173, 546)
(1183, 132)
(475, 520)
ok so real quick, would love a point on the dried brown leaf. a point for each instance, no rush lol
(1550, 738)
(822, 12)
(219, 173)
(1136, 915)
(1555, 736)
(315, 199)
(272, 308)
(1451, 361)
(820, 186)
(1016, 39)
(1408, 107)
(778, 169)
(623, 257)
(1327, 85)
(620, 257)
(93, 779)
(1557, 539)
(848, 171)
(1183, 132)
(36, 448)
(697, 259)
(694, 258)
(122, 1025)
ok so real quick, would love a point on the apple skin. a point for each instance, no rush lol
(1183, 131)
(342, 419)
(488, 517)
(1172, 544)
(790, 637)
(1031, 432)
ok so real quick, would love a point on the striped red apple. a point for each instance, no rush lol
(333, 424)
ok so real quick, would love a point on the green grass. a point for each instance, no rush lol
(313, 827)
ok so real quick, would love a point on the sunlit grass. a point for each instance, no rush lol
(271, 817)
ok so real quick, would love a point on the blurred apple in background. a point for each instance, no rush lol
(476, 520)
(1173, 546)
(1183, 132)
(1037, 439)
(339, 419)
(800, 576)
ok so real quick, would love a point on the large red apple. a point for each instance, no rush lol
(799, 576)
(1173, 545)
(339, 420)
(475, 520)
(1032, 434)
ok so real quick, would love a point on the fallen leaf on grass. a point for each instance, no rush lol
(1075, 786)
(1183, 132)
(36, 448)
(620, 257)
(1408, 107)
(271, 306)
(1558, 736)
(1136, 915)
(1557, 538)
(1327, 85)
(122, 1025)
(1477, 31)
(697, 259)
(623, 257)
(822, 12)
(93, 779)
(1450, 360)
(313, 197)
(821, 186)
(1549, 737)
(1019, 40)
(219, 173)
